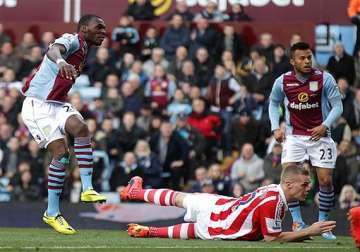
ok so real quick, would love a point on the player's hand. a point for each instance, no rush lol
(67, 71)
(279, 135)
(321, 227)
(318, 132)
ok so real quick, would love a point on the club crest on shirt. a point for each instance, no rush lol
(313, 86)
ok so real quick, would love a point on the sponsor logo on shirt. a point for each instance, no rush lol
(304, 106)
(303, 97)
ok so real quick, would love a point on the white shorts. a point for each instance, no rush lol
(321, 153)
(199, 207)
(46, 120)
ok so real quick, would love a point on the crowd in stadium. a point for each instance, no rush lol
(186, 109)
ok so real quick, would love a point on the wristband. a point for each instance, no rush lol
(58, 61)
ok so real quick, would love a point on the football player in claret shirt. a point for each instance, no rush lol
(254, 216)
(312, 104)
(49, 117)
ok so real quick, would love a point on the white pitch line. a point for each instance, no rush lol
(174, 247)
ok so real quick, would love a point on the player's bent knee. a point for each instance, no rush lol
(62, 156)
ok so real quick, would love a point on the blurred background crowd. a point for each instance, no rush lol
(185, 108)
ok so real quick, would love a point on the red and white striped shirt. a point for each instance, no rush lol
(249, 217)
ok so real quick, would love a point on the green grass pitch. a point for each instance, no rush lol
(36, 239)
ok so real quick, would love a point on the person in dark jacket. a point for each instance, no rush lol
(141, 10)
(341, 64)
(177, 34)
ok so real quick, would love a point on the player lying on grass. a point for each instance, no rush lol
(254, 216)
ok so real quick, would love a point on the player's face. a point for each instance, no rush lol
(300, 187)
(302, 61)
(95, 32)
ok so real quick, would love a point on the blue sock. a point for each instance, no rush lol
(294, 208)
(83, 153)
(326, 200)
(56, 177)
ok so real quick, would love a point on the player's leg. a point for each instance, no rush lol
(323, 157)
(77, 128)
(179, 231)
(162, 197)
(56, 177)
(294, 151)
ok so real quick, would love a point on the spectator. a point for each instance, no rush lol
(209, 126)
(238, 13)
(212, 13)
(237, 190)
(353, 113)
(357, 68)
(204, 68)
(347, 98)
(348, 198)
(26, 190)
(124, 171)
(177, 34)
(124, 65)
(204, 36)
(248, 169)
(47, 38)
(150, 41)
(126, 36)
(101, 67)
(8, 59)
(128, 133)
(266, 47)
(194, 140)
(244, 129)
(3, 36)
(176, 64)
(141, 10)
(172, 151)
(160, 89)
(281, 62)
(30, 62)
(178, 106)
(13, 155)
(157, 58)
(149, 163)
(259, 82)
(231, 41)
(132, 102)
(187, 75)
(341, 64)
(223, 93)
(28, 41)
(181, 8)
(272, 165)
(200, 178)
(220, 182)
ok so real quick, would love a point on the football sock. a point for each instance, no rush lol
(294, 208)
(56, 177)
(180, 231)
(83, 153)
(326, 200)
(162, 197)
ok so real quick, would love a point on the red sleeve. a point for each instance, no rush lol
(270, 215)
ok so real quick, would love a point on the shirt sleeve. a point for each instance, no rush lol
(276, 98)
(69, 41)
(270, 218)
(332, 94)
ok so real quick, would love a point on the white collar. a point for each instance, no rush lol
(282, 195)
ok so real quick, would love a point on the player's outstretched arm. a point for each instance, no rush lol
(315, 229)
(66, 70)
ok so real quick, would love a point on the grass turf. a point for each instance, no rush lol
(36, 239)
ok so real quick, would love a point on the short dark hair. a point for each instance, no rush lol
(294, 169)
(84, 20)
(298, 46)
